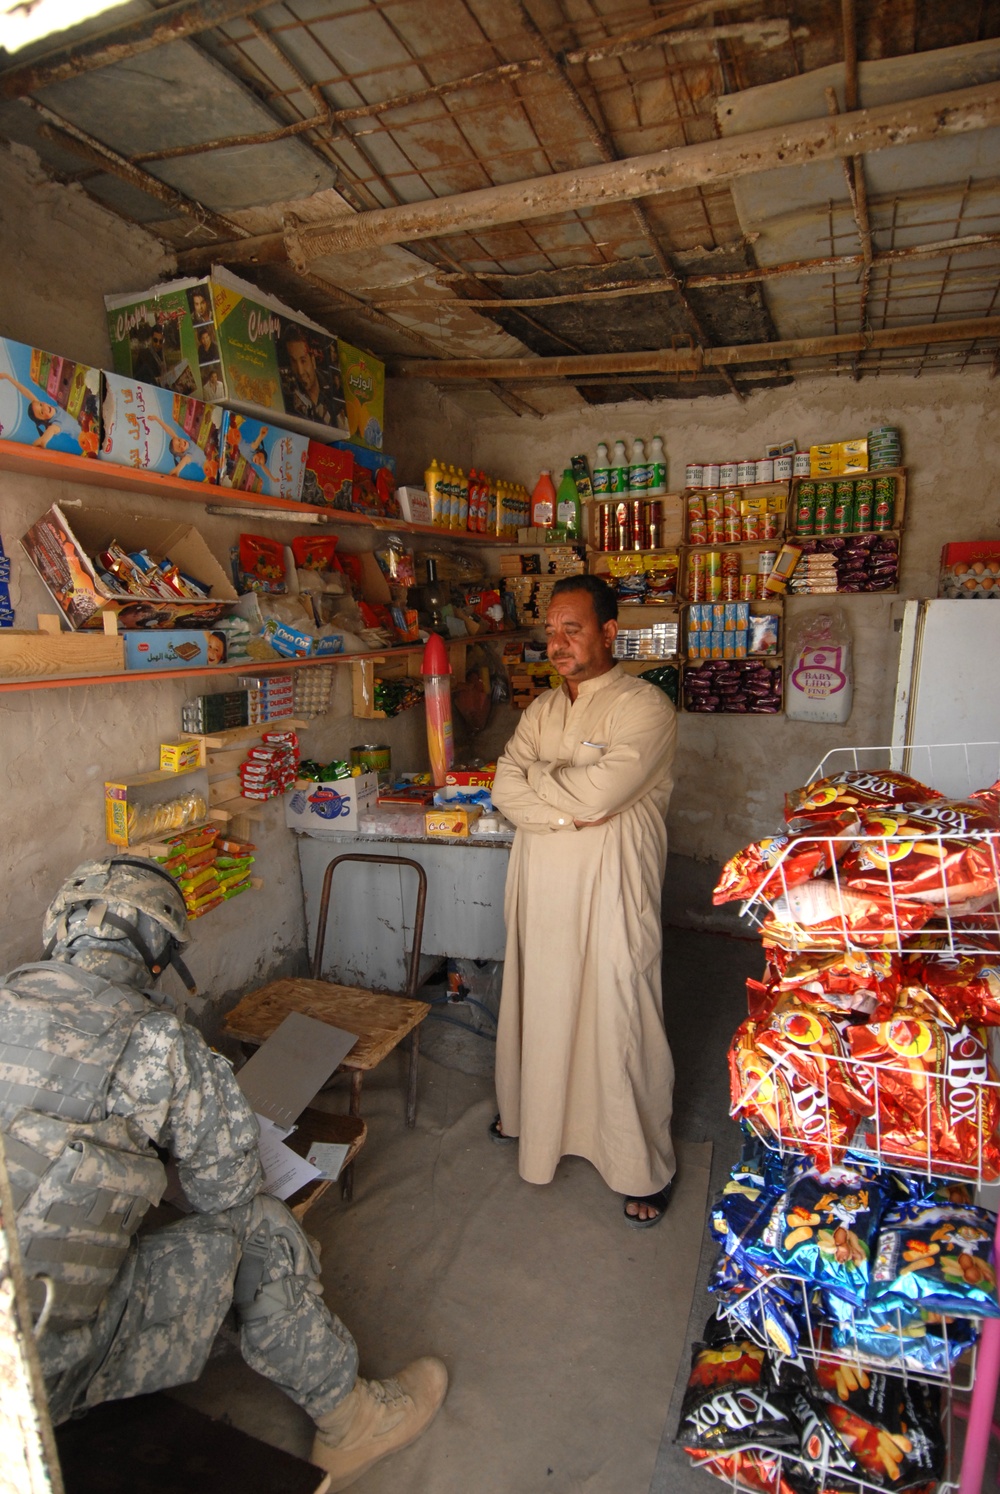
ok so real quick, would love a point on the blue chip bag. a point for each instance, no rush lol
(917, 1346)
(823, 1230)
(938, 1256)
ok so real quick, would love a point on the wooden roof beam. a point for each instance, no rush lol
(909, 122)
(692, 360)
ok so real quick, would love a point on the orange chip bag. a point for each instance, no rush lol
(856, 789)
(945, 852)
(804, 852)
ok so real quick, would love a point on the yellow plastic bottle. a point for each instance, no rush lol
(432, 477)
(462, 517)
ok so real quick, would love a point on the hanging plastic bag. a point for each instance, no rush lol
(820, 679)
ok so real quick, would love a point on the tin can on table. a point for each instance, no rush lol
(373, 757)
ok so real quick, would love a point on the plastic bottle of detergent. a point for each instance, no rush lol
(657, 467)
(432, 478)
(638, 470)
(543, 502)
(568, 516)
(619, 472)
(600, 472)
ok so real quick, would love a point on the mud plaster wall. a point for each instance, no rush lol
(57, 747)
(732, 772)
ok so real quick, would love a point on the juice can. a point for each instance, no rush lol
(713, 576)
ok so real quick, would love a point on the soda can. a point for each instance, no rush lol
(623, 527)
(604, 528)
(733, 528)
(640, 534)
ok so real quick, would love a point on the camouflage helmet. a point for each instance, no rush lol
(128, 899)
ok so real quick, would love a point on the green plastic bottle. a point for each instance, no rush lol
(569, 520)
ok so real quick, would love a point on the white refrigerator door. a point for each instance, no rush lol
(949, 690)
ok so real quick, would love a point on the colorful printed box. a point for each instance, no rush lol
(263, 458)
(363, 379)
(152, 430)
(180, 648)
(223, 340)
(48, 401)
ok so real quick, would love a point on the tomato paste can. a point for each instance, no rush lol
(733, 530)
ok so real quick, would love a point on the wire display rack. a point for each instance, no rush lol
(801, 922)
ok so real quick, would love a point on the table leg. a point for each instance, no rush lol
(411, 1087)
(354, 1108)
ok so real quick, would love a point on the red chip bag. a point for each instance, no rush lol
(940, 853)
(856, 789)
(968, 985)
(819, 915)
(750, 1468)
(804, 852)
(810, 1044)
(779, 1104)
(866, 981)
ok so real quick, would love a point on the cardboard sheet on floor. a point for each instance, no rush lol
(561, 1328)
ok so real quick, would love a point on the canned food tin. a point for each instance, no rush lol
(748, 586)
(696, 576)
(712, 476)
(752, 525)
(746, 473)
(765, 562)
(805, 509)
(713, 576)
(884, 513)
(824, 508)
(765, 469)
(864, 502)
(772, 524)
(694, 475)
(731, 501)
(843, 515)
(782, 468)
(714, 505)
(716, 529)
(763, 595)
(605, 526)
(733, 530)
(373, 757)
(727, 473)
(731, 563)
(800, 464)
(698, 532)
(730, 588)
(640, 534)
(622, 527)
(885, 487)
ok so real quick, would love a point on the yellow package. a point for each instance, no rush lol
(177, 757)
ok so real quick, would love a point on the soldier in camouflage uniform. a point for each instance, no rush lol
(98, 1077)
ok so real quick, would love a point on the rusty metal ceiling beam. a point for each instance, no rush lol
(121, 43)
(716, 161)
(694, 360)
(830, 264)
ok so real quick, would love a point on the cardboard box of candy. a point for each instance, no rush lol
(173, 648)
(152, 430)
(48, 401)
(224, 340)
(262, 458)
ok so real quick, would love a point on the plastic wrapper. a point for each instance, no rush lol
(898, 1445)
(799, 855)
(939, 1258)
(811, 1044)
(750, 1468)
(856, 789)
(775, 1100)
(819, 915)
(863, 981)
(823, 1230)
(905, 1339)
(730, 1400)
(941, 853)
(968, 986)
(936, 1094)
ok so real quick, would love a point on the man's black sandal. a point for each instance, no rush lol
(655, 1201)
(497, 1135)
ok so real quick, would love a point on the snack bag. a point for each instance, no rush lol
(781, 1105)
(944, 852)
(938, 1258)
(795, 857)
(261, 564)
(856, 789)
(823, 1230)
(315, 552)
(820, 915)
(810, 1043)
(766, 1473)
(920, 1342)
(967, 985)
(866, 981)
(729, 1400)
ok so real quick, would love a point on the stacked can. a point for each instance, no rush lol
(884, 511)
(730, 576)
(843, 506)
(885, 449)
(696, 578)
(825, 499)
(635, 524)
(697, 519)
(731, 499)
(805, 509)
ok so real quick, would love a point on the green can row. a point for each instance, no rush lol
(855, 506)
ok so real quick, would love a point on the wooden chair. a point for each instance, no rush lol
(381, 1019)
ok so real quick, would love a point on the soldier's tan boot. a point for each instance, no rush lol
(379, 1417)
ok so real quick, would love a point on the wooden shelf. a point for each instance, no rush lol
(35, 461)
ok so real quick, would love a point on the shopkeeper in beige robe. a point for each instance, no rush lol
(583, 1064)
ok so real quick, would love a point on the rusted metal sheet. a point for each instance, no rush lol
(120, 43)
(881, 128)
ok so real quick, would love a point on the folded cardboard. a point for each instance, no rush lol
(62, 556)
(48, 401)
(225, 340)
(292, 1066)
(262, 458)
(152, 430)
(330, 808)
(173, 648)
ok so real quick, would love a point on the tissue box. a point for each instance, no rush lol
(152, 430)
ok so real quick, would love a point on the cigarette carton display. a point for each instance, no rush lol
(262, 458)
(224, 340)
(152, 430)
(48, 401)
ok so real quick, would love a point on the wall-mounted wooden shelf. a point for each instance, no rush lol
(35, 461)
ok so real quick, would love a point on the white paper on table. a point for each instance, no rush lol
(284, 1170)
(279, 1133)
(329, 1157)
